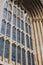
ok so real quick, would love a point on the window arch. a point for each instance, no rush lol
(23, 57)
(18, 54)
(1, 46)
(5, 4)
(3, 27)
(29, 58)
(7, 47)
(13, 52)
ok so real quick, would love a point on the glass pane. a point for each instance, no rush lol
(21, 14)
(18, 54)
(8, 30)
(7, 44)
(14, 10)
(23, 57)
(29, 30)
(9, 7)
(22, 25)
(26, 26)
(6, 4)
(18, 36)
(27, 41)
(33, 63)
(29, 58)
(3, 27)
(1, 46)
(22, 38)
(9, 16)
(14, 33)
(18, 22)
(14, 20)
(13, 52)
(18, 12)
(5, 14)
(31, 44)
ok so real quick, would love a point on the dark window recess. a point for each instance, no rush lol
(13, 52)
(19, 54)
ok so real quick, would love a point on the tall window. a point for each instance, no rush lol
(14, 20)
(27, 41)
(8, 30)
(23, 57)
(6, 4)
(18, 12)
(31, 44)
(32, 56)
(22, 25)
(19, 54)
(9, 16)
(22, 38)
(5, 13)
(7, 47)
(3, 27)
(29, 30)
(1, 46)
(18, 36)
(21, 14)
(14, 33)
(29, 58)
(18, 22)
(9, 6)
(26, 26)
(13, 52)
(14, 10)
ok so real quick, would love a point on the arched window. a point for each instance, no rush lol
(14, 33)
(31, 44)
(18, 54)
(7, 47)
(6, 4)
(9, 6)
(3, 27)
(29, 58)
(1, 46)
(32, 56)
(8, 30)
(13, 52)
(27, 41)
(23, 57)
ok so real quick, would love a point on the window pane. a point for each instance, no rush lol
(7, 44)
(14, 20)
(9, 16)
(21, 14)
(26, 26)
(23, 57)
(14, 10)
(13, 52)
(29, 30)
(18, 22)
(18, 36)
(29, 58)
(22, 37)
(33, 63)
(9, 7)
(31, 44)
(1, 46)
(14, 33)
(22, 25)
(18, 54)
(8, 30)
(3, 27)
(6, 4)
(5, 13)
(27, 41)
(18, 12)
